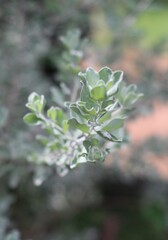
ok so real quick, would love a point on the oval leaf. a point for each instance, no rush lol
(75, 124)
(31, 118)
(105, 74)
(98, 93)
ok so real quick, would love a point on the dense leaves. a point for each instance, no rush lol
(79, 134)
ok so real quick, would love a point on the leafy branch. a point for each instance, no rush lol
(79, 134)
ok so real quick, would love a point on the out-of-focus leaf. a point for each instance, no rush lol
(113, 85)
(75, 124)
(85, 97)
(105, 74)
(59, 116)
(52, 113)
(104, 117)
(98, 93)
(31, 118)
(36, 102)
(92, 77)
(112, 125)
(84, 109)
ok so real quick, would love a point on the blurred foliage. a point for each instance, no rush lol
(148, 22)
(128, 35)
(149, 222)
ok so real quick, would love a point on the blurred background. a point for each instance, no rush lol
(126, 197)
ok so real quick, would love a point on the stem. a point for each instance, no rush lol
(78, 141)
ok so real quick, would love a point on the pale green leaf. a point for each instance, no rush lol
(31, 118)
(92, 77)
(85, 97)
(112, 125)
(105, 74)
(75, 124)
(52, 113)
(98, 92)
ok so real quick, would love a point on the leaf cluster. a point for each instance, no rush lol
(80, 134)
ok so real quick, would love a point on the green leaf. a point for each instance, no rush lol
(113, 85)
(65, 125)
(112, 125)
(77, 113)
(52, 113)
(84, 109)
(85, 97)
(98, 93)
(57, 116)
(131, 98)
(75, 124)
(33, 97)
(121, 93)
(77, 108)
(40, 104)
(92, 77)
(108, 102)
(118, 75)
(105, 74)
(71, 39)
(60, 116)
(31, 118)
(36, 102)
(108, 136)
(87, 144)
(104, 117)
(111, 107)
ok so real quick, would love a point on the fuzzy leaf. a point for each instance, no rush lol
(105, 74)
(131, 98)
(98, 93)
(85, 97)
(77, 113)
(31, 118)
(113, 85)
(65, 125)
(112, 125)
(104, 117)
(36, 102)
(60, 116)
(33, 97)
(75, 124)
(92, 77)
(52, 113)
(84, 109)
